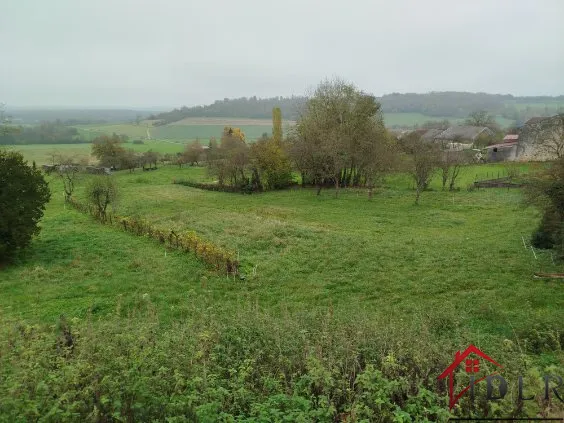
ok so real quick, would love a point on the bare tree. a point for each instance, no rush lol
(424, 159)
(481, 118)
(69, 173)
(550, 135)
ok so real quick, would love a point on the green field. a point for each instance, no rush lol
(43, 153)
(205, 128)
(411, 119)
(182, 132)
(328, 286)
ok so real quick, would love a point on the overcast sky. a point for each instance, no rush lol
(185, 52)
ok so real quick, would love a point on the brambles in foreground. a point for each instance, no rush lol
(23, 195)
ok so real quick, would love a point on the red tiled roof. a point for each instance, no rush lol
(503, 145)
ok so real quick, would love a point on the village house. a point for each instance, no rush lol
(463, 137)
(504, 151)
(542, 138)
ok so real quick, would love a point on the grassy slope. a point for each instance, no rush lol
(456, 258)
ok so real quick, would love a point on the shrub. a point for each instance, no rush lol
(101, 192)
(211, 254)
(23, 195)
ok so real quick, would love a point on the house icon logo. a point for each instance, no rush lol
(470, 359)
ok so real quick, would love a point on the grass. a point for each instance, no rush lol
(411, 119)
(43, 153)
(184, 130)
(327, 284)
(458, 253)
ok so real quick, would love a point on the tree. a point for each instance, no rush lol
(482, 118)
(150, 158)
(129, 159)
(550, 135)
(424, 158)
(193, 152)
(450, 164)
(229, 160)
(102, 191)
(69, 173)
(277, 125)
(108, 150)
(270, 164)
(337, 127)
(23, 195)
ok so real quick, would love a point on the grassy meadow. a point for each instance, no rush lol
(327, 286)
(43, 153)
(205, 128)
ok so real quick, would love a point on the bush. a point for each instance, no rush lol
(246, 188)
(138, 142)
(101, 192)
(542, 239)
(23, 195)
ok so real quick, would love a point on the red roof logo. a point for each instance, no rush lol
(471, 365)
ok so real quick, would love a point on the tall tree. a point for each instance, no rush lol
(481, 118)
(277, 125)
(338, 125)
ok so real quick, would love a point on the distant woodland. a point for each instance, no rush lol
(435, 105)
(44, 133)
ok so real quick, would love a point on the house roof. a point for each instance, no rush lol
(511, 137)
(503, 145)
(459, 357)
(431, 134)
(462, 132)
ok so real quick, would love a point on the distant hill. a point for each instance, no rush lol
(75, 116)
(435, 105)
(251, 108)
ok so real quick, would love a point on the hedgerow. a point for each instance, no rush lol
(218, 257)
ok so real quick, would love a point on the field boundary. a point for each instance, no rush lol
(211, 254)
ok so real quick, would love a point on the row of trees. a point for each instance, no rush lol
(44, 133)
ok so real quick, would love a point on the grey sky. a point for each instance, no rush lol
(175, 52)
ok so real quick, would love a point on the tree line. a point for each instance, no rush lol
(45, 133)
(435, 104)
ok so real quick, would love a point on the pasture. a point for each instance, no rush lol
(185, 130)
(205, 128)
(458, 254)
(327, 286)
(43, 153)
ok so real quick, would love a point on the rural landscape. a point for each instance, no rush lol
(256, 212)
(285, 277)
